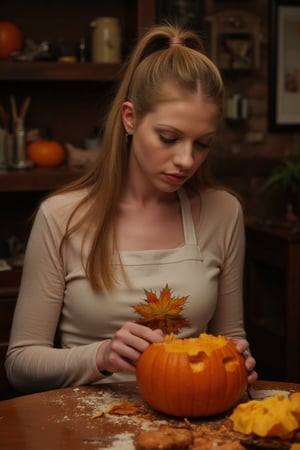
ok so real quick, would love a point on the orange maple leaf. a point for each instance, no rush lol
(162, 312)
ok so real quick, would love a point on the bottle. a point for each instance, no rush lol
(20, 161)
(82, 51)
(106, 40)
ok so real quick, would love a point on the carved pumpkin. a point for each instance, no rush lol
(11, 39)
(45, 153)
(192, 377)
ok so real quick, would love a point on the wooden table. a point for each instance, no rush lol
(70, 419)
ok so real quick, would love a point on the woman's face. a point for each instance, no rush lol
(171, 142)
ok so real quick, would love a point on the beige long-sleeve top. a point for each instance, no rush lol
(202, 278)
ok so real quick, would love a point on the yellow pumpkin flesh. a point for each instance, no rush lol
(276, 416)
(192, 377)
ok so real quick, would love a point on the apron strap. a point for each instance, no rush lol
(187, 218)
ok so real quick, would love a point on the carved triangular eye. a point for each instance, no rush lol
(230, 363)
(198, 361)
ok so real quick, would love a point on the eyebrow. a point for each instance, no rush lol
(171, 127)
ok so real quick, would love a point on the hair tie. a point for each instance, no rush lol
(176, 40)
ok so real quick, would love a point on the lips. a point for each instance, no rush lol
(175, 178)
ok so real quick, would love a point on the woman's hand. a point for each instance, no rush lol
(242, 347)
(124, 349)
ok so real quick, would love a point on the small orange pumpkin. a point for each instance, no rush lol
(45, 153)
(11, 39)
(192, 377)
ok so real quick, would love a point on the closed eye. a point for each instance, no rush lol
(172, 140)
(167, 140)
(202, 145)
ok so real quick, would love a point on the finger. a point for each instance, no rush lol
(246, 354)
(250, 363)
(137, 336)
(160, 333)
(146, 333)
(242, 345)
(126, 349)
(252, 377)
(121, 364)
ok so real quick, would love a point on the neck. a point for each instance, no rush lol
(146, 198)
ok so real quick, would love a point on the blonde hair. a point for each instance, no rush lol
(154, 61)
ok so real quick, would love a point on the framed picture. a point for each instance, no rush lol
(284, 66)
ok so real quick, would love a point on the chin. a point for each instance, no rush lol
(165, 187)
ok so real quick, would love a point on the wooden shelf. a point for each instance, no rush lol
(37, 179)
(281, 229)
(58, 71)
(9, 284)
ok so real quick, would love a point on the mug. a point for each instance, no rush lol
(237, 108)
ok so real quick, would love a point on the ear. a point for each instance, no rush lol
(128, 117)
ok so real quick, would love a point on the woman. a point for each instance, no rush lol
(143, 244)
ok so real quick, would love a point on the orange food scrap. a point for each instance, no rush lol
(276, 416)
(295, 446)
(295, 404)
(126, 408)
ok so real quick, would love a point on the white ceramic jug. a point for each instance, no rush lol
(106, 40)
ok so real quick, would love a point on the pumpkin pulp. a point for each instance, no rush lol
(276, 416)
(198, 350)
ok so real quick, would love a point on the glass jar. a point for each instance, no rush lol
(106, 40)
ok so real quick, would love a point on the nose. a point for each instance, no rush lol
(184, 157)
